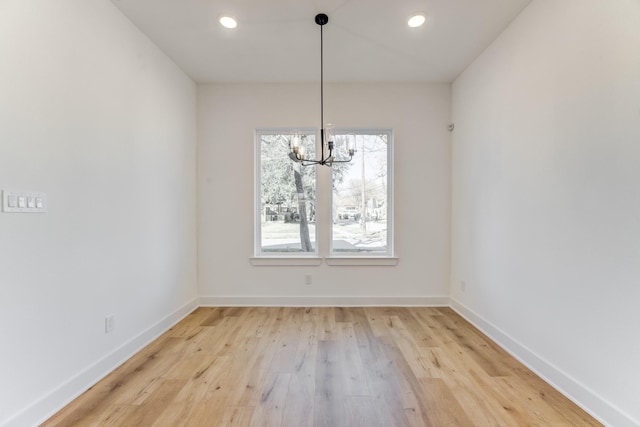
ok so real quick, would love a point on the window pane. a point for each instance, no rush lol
(361, 197)
(287, 196)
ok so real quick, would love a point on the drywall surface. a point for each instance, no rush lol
(546, 197)
(96, 117)
(228, 115)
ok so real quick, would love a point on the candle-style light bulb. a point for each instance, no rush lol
(351, 146)
(301, 152)
(328, 135)
(295, 144)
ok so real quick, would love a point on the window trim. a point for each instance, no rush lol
(357, 258)
(361, 260)
(317, 261)
(285, 261)
(260, 258)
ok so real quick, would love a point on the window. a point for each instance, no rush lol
(286, 197)
(357, 219)
(362, 196)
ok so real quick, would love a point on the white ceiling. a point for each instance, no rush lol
(365, 40)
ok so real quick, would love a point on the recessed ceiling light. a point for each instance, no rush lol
(416, 20)
(228, 22)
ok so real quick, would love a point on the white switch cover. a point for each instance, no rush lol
(23, 201)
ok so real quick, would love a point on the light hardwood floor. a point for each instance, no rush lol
(329, 367)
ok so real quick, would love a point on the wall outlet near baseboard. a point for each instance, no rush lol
(308, 279)
(109, 323)
(463, 285)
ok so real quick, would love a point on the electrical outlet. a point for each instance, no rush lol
(308, 279)
(109, 323)
(463, 285)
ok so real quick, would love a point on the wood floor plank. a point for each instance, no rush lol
(405, 384)
(251, 374)
(300, 403)
(270, 409)
(530, 402)
(409, 348)
(382, 386)
(196, 390)
(326, 323)
(441, 405)
(284, 358)
(425, 336)
(322, 366)
(129, 382)
(116, 415)
(377, 319)
(471, 386)
(328, 373)
(191, 324)
(353, 373)
(218, 383)
(361, 412)
(299, 410)
(491, 358)
(237, 416)
(329, 412)
(342, 314)
(153, 407)
(216, 316)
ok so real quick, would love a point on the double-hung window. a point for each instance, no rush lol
(358, 217)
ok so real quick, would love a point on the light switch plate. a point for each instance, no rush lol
(23, 201)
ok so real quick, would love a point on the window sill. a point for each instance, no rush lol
(316, 261)
(285, 261)
(381, 261)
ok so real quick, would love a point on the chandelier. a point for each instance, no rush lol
(327, 145)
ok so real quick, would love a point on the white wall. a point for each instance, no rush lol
(95, 116)
(546, 197)
(227, 116)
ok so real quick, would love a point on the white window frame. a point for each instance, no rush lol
(342, 258)
(322, 233)
(277, 258)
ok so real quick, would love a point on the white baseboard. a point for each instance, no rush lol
(322, 301)
(595, 405)
(52, 402)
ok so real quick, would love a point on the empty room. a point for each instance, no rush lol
(320, 213)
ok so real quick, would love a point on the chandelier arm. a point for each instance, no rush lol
(328, 156)
(342, 161)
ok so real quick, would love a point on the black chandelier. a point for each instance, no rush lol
(327, 158)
